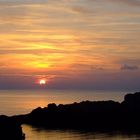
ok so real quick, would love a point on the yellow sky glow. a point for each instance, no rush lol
(64, 38)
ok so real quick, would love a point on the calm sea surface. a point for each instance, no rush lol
(42, 134)
(14, 102)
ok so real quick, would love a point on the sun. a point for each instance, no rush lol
(42, 81)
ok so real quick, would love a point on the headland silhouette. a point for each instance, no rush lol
(96, 115)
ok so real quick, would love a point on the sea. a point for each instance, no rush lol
(15, 102)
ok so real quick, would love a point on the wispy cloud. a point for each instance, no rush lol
(129, 67)
(129, 2)
(68, 38)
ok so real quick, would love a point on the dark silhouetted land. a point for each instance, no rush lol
(10, 129)
(96, 115)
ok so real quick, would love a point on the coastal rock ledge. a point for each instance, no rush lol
(10, 129)
(105, 115)
(97, 115)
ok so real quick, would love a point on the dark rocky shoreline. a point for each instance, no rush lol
(96, 115)
(10, 129)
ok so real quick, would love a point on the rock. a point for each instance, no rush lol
(132, 102)
(10, 129)
(104, 115)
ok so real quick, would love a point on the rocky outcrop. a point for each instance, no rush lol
(132, 102)
(10, 129)
(96, 115)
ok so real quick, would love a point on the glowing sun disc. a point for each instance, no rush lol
(42, 82)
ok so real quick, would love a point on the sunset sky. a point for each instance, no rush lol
(73, 44)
